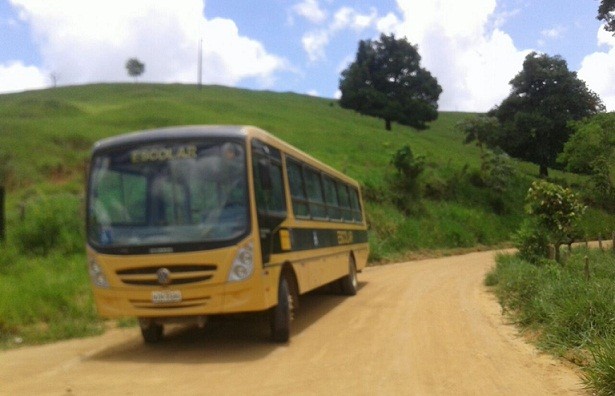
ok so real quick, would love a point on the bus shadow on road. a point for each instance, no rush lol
(223, 339)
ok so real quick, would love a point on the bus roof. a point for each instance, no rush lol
(213, 131)
(169, 133)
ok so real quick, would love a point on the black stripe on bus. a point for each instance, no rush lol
(311, 238)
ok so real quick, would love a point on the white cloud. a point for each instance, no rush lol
(90, 41)
(472, 61)
(553, 33)
(347, 17)
(387, 23)
(315, 42)
(15, 76)
(310, 10)
(550, 35)
(598, 70)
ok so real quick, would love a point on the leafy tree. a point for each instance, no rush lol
(135, 68)
(555, 212)
(591, 149)
(480, 129)
(534, 118)
(387, 81)
(496, 169)
(606, 13)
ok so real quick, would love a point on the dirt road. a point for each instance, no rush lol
(419, 328)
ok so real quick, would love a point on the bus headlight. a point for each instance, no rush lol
(243, 264)
(96, 274)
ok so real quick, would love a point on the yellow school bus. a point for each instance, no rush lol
(191, 221)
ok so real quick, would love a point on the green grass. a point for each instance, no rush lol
(44, 298)
(567, 314)
(47, 136)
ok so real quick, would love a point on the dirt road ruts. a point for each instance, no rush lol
(419, 328)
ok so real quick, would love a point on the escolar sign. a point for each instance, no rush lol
(344, 237)
(163, 154)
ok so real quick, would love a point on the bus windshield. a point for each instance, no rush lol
(168, 193)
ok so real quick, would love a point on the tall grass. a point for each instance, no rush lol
(44, 298)
(50, 223)
(44, 286)
(569, 314)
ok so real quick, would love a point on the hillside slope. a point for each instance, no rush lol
(47, 136)
(51, 121)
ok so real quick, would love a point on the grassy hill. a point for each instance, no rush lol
(64, 122)
(45, 138)
(47, 135)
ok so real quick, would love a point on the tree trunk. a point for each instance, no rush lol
(2, 217)
(387, 124)
(543, 173)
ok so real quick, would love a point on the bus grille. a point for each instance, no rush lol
(178, 274)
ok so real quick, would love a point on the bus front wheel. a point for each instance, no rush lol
(281, 314)
(349, 283)
(151, 332)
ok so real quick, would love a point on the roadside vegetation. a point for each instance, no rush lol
(425, 192)
(565, 301)
(565, 311)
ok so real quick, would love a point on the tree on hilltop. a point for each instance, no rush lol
(534, 118)
(387, 81)
(135, 68)
(606, 13)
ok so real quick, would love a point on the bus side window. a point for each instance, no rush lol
(333, 210)
(354, 204)
(315, 194)
(342, 193)
(297, 189)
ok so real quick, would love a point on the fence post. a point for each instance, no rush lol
(587, 275)
(2, 217)
(600, 241)
(551, 252)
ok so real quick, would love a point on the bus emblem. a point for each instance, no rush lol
(164, 276)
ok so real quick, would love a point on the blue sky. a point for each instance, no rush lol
(472, 47)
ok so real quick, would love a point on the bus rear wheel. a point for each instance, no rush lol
(281, 314)
(349, 283)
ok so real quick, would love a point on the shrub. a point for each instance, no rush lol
(531, 241)
(51, 223)
(556, 212)
(497, 171)
(409, 168)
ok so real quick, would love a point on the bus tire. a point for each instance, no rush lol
(152, 333)
(281, 314)
(349, 283)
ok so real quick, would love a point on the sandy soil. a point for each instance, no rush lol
(420, 328)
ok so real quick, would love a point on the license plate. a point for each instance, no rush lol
(166, 296)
